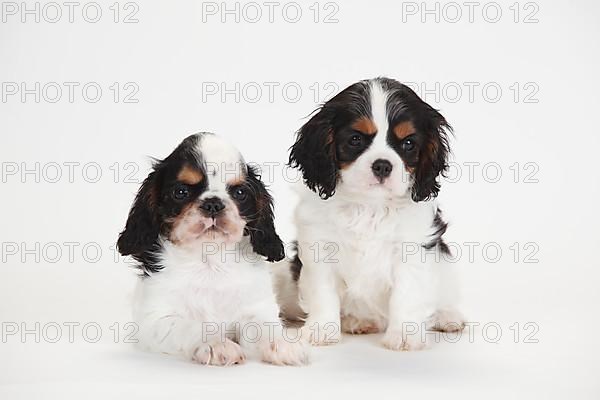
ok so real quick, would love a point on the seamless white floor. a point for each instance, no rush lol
(539, 132)
(480, 363)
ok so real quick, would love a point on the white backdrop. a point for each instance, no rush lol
(91, 89)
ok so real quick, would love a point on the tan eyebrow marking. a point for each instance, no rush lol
(190, 176)
(365, 125)
(404, 129)
(237, 181)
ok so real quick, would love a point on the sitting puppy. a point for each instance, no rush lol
(196, 226)
(369, 242)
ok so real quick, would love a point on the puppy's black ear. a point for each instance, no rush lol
(433, 156)
(260, 226)
(143, 226)
(314, 154)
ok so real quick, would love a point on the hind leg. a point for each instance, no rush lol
(446, 320)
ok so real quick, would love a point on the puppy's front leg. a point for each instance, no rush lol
(265, 334)
(319, 298)
(408, 307)
(279, 347)
(204, 343)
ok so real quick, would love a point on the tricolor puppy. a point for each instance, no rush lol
(200, 228)
(369, 235)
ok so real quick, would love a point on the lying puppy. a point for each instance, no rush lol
(370, 244)
(198, 227)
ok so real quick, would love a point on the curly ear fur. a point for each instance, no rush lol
(433, 157)
(142, 227)
(260, 227)
(314, 154)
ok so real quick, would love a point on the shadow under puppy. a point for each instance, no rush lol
(199, 228)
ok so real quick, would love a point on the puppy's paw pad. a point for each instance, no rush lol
(447, 321)
(398, 342)
(356, 326)
(321, 334)
(282, 352)
(220, 354)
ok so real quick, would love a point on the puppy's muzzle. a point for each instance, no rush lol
(212, 207)
(381, 169)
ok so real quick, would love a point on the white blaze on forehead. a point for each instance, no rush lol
(223, 162)
(379, 114)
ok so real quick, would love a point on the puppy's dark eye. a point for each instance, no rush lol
(181, 193)
(239, 194)
(408, 144)
(355, 141)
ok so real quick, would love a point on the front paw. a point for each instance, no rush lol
(399, 341)
(282, 352)
(321, 333)
(221, 354)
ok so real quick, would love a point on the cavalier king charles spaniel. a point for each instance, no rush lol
(370, 249)
(199, 228)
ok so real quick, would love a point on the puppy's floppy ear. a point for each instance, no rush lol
(433, 156)
(314, 154)
(143, 226)
(260, 226)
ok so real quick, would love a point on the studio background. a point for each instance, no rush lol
(520, 89)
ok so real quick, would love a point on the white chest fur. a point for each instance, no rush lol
(363, 243)
(215, 288)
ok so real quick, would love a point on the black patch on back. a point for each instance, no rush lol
(296, 263)
(440, 228)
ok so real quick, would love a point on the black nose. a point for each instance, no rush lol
(212, 206)
(382, 168)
